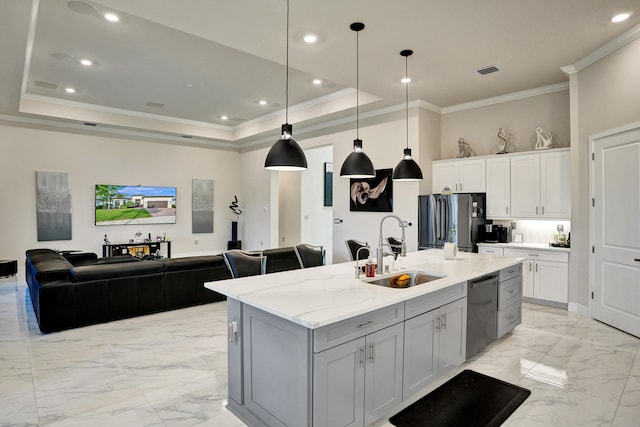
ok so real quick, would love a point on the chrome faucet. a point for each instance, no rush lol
(381, 253)
(358, 259)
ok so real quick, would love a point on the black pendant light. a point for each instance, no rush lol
(407, 169)
(357, 164)
(286, 154)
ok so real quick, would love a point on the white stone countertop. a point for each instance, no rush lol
(536, 246)
(319, 296)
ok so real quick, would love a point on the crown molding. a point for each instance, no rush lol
(76, 127)
(260, 142)
(607, 49)
(558, 87)
(120, 111)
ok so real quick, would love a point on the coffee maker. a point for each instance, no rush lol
(489, 233)
(494, 233)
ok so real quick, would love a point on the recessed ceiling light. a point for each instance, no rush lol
(621, 17)
(223, 117)
(69, 90)
(86, 62)
(111, 17)
(262, 102)
(310, 38)
(405, 80)
(317, 82)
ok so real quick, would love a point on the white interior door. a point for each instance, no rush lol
(616, 230)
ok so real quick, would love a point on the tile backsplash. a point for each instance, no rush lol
(537, 231)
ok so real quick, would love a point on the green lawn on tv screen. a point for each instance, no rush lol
(119, 214)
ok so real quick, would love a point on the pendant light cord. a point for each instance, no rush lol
(286, 86)
(357, 85)
(406, 93)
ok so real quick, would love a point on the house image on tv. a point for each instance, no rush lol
(153, 202)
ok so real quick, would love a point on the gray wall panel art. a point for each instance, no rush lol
(202, 206)
(53, 206)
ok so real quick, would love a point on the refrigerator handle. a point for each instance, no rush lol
(437, 219)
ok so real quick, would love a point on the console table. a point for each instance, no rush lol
(135, 249)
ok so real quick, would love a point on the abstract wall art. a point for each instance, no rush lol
(53, 206)
(202, 206)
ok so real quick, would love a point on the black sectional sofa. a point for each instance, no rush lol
(70, 290)
(80, 289)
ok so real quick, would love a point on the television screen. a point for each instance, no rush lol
(135, 205)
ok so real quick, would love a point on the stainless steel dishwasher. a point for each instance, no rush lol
(482, 312)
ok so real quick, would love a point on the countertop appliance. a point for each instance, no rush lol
(438, 213)
(482, 312)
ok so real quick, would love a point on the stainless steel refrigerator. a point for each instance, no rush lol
(438, 214)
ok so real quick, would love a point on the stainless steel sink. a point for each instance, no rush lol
(417, 278)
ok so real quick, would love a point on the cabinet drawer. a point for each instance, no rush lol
(428, 302)
(510, 272)
(490, 250)
(509, 318)
(538, 255)
(509, 292)
(356, 327)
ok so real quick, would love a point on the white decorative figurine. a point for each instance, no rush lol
(544, 139)
(464, 150)
(502, 142)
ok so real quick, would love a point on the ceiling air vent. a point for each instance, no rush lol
(46, 85)
(488, 70)
(90, 124)
(155, 104)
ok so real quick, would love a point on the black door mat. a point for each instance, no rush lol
(468, 399)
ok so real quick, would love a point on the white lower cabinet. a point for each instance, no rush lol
(545, 275)
(357, 382)
(434, 343)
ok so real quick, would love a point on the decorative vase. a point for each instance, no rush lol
(450, 250)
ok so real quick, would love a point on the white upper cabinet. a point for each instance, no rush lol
(555, 184)
(525, 186)
(460, 175)
(498, 202)
(541, 185)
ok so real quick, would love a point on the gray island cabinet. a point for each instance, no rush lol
(317, 347)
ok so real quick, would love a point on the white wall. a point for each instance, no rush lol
(258, 184)
(519, 118)
(317, 219)
(289, 222)
(383, 142)
(92, 160)
(607, 96)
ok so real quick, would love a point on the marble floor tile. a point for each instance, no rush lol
(169, 369)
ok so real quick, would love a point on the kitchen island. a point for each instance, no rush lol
(320, 347)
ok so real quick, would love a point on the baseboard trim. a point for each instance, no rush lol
(574, 307)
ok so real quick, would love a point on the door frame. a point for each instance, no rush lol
(593, 139)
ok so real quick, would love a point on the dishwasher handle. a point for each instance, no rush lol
(488, 280)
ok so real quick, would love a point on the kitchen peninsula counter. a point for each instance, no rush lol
(319, 296)
(319, 347)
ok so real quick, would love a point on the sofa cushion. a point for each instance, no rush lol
(80, 258)
(40, 254)
(190, 263)
(109, 271)
(48, 270)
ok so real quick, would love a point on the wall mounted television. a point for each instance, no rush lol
(134, 205)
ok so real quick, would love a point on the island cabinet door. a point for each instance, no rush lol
(357, 382)
(420, 351)
(453, 335)
(277, 369)
(338, 389)
(383, 373)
